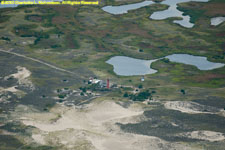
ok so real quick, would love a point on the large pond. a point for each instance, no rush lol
(125, 8)
(172, 11)
(127, 66)
(217, 20)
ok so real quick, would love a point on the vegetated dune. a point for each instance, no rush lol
(204, 135)
(191, 107)
(91, 126)
(22, 76)
(4, 97)
(10, 89)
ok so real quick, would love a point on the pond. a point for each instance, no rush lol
(198, 61)
(217, 20)
(125, 8)
(127, 66)
(172, 11)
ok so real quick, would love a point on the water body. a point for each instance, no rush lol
(127, 66)
(172, 11)
(200, 62)
(217, 20)
(116, 10)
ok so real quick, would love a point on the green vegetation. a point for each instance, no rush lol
(195, 14)
(182, 91)
(141, 50)
(126, 95)
(70, 32)
(140, 86)
(5, 38)
(27, 11)
(83, 89)
(25, 30)
(71, 42)
(62, 96)
(160, 124)
(165, 60)
(4, 18)
(140, 96)
(34, 18)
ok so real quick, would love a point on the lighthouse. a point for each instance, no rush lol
(107, 83)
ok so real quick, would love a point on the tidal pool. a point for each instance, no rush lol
(172, 11)
(125, 8)
(127, 66)
(217, 20)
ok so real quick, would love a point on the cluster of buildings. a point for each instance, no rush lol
(105, 84)
(102, 83)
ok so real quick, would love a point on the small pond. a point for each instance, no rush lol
(127, 66)
(125, 8)
(217, 20)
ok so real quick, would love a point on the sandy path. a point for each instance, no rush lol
(38, 61)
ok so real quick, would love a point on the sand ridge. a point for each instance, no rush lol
(191, 107)
(205, 135)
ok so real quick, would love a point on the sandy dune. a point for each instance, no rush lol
(10, 89)
(205, 135)
(90, 127)
(22, 76)
(190, 107)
